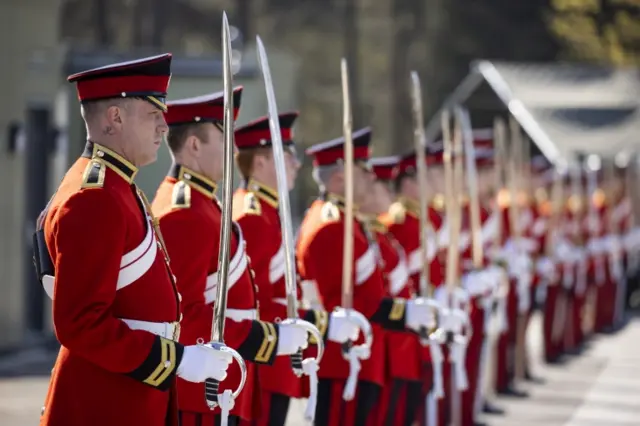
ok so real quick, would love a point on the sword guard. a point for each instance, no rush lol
(364, 349)
(297, 359)
(211, 386)
(296, 363)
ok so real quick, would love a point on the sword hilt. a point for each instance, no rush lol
(296, 363)
(424, 335)
(211, 387)
(346, 348)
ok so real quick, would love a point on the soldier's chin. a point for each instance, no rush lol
(149, 158)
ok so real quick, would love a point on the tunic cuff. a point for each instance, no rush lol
(161, 365)
(261, 344)
(321, 320)
(391, 314)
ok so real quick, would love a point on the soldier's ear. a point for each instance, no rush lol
(194, 145)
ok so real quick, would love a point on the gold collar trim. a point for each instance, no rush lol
(195, 180)
(124, 168)
(338, 200)
(264, 192)
(412, 206)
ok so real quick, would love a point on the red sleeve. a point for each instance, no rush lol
(323, 261)
(87, 268)
(257, 233)
(192, 252)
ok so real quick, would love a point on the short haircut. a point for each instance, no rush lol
(245, 157)
(179, 134)
(89, 110)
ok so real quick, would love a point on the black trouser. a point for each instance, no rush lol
(367, 397)
(278, 409)
(196, 419)
(413, 396)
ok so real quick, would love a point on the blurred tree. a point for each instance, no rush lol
(604, 31)
(461, 31)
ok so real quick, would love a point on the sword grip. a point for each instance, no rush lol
(211, 392)
(424, 335)
(346, 347)
(296, 363)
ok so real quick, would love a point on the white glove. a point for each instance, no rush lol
(202, 362)
(341, 329)
(419, 313)
(291, 339)
(477, 283)
(546, 268)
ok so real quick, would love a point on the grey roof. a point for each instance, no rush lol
(565, 109)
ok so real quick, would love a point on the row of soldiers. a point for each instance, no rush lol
(134, 283)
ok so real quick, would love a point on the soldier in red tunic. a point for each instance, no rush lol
(116, 308)
(402, 219)
(256, 211)
(190, 219)
(402, 397)
(319, 254)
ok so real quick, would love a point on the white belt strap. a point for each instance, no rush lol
(277, 266)
(239, 315)
(133, 264)
(365, 266)
(237, 266)
(162, 329)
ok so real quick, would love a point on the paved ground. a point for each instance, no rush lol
(601, 387)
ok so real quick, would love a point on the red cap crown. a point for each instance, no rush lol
(483, 146)
(146, 78)
(332, 152)
(385, 167)
(257, 133)
(408, 163)
(201, 109)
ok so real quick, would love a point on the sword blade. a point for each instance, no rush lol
(472, 186)
(217, 330)
(347, 259)
(421, 166)
(284, 207)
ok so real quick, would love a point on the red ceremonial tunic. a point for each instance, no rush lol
(319, 254)
(256, 211)
(109, 267)
(190, 219)
(403, 224)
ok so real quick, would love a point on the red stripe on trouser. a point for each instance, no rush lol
(507, 341)
(552, 348)
(472, 364)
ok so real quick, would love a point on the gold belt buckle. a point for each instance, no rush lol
(176, 331)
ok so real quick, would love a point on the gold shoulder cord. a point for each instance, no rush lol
(156, 225)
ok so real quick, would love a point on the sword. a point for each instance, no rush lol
(431, 338)
(290, 276)
(212, 398)
(350, 352)
(472, 181)
(426, 288)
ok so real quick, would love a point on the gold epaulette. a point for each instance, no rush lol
(541, 195)
(503, 198)
(397, 212)
(574, 204)
(598, 198)
(181, 196)
(330, 212)
(93, 176)
(437, 202)
(251, 204)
